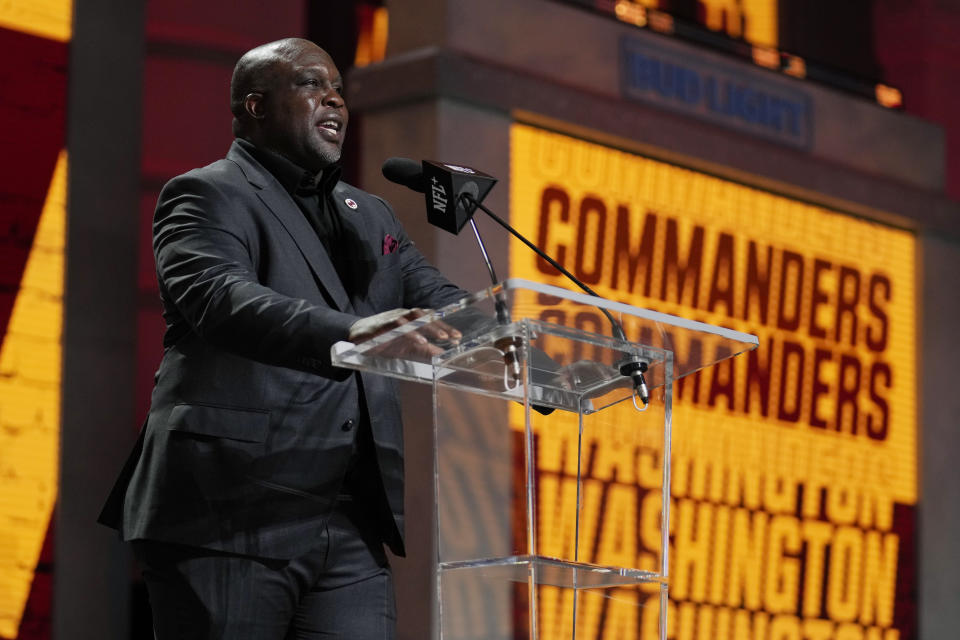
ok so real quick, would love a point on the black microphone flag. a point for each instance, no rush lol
(443, 185)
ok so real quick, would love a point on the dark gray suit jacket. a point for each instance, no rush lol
(250, 429)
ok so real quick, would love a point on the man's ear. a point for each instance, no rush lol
(255, 105)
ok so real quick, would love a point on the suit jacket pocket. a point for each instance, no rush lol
(244, 425)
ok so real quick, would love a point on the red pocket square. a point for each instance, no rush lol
(389, 244)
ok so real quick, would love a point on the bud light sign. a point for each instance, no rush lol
(722, 94)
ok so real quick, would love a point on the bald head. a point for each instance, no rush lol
(286, 96)
(256, 70)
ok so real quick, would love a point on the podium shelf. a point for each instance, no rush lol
(542, 570)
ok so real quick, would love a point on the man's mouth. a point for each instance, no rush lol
(330, 125)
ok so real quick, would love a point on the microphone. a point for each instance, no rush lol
(437, 180)
(404, 171)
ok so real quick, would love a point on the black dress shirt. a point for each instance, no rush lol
(312, 193)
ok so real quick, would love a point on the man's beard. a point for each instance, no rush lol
(331, 156)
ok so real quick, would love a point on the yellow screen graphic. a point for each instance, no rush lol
(30, 357)
(44, 18)
(790, 461)
(753, 20)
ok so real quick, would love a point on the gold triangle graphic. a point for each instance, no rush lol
(30, 355)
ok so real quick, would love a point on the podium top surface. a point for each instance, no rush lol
(571, 350)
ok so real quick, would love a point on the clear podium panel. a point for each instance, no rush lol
(512, 483)
(538, 528)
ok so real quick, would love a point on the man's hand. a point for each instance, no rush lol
(373, 326)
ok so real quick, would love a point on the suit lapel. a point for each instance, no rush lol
(361, 227)
(282, 206)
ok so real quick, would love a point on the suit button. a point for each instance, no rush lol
(346, 426)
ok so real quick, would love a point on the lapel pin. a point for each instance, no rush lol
(350, 202)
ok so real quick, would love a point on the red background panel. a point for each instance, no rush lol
(33, 77)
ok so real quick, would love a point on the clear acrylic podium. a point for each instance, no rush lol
(550, 524)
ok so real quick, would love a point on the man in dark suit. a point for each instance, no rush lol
(266, 481)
